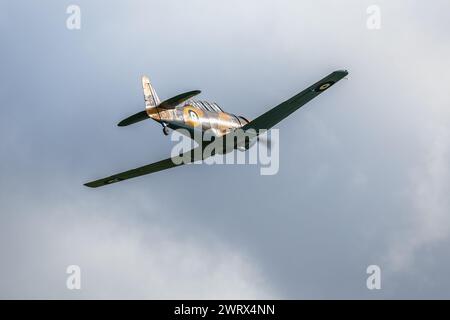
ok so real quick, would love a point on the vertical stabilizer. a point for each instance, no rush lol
(150, 96)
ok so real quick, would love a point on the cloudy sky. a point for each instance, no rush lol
(364, 169)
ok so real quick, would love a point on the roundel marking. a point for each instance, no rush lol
(324, 86)
(192, 116)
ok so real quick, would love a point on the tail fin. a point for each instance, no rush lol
(150, 96)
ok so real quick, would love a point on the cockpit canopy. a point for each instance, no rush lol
(205, 105)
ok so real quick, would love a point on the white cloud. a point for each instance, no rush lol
(120, 257)
(427, 119)
(430, 220)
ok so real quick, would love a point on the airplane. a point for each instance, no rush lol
(182, 112)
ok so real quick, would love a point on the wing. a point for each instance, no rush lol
(185, 158)
(284, 109)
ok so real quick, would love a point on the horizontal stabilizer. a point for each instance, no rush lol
(173, 102)
(134, 118)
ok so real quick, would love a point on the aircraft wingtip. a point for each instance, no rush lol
(89, 184)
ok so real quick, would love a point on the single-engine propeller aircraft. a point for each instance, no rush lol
(182, 112)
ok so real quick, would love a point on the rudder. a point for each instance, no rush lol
(150, 96)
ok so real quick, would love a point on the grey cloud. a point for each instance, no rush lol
(363, 169)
